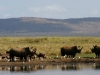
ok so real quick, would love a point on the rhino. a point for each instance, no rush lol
(19, 52)
(96, 50)
(70, 51)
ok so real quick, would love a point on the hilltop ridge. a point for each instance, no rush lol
(33, 26)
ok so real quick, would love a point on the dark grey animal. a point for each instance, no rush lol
(19, 52)
(41, 55)
(70, 51)
(96, 50)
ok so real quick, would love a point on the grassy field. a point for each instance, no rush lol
(50, 45)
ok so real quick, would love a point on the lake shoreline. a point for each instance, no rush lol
(49, 61)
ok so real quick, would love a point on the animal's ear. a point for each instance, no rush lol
(94, 45)
(91, 48)
(81, 48)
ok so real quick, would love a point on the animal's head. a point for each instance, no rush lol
(78, 49)
(33, 51)
(94, 48)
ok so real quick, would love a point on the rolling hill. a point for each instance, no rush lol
(33, 26)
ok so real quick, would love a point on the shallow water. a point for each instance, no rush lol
(61, 69)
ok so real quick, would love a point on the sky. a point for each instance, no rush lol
(55, 9)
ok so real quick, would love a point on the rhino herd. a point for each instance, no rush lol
(24, 53)
(71, 51)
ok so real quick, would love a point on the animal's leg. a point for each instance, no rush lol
(97, 55)
(12, 58)
(21, 58)
(30, 57)
(73, 56)
(25, 58)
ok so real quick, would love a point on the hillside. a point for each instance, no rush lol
(32, 26)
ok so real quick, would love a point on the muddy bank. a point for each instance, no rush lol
(49, 61)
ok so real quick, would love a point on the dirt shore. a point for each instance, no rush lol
(50, 61)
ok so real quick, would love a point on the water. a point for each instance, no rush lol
(61, 69)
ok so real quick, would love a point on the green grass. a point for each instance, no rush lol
(50, 45)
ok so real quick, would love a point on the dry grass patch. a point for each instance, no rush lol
(48, 45)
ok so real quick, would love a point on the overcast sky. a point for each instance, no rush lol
(56, 9)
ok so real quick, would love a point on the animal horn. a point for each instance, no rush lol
(81, 48)
(78, 46)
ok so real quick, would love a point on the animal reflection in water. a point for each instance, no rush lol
(70, 67)
(29, 68)
(23, 68)
(97, 66)
(64, 67)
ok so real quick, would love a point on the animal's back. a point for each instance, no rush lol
(17, 49)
